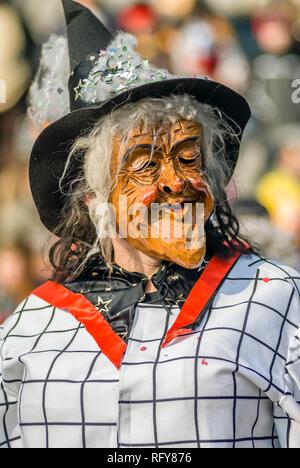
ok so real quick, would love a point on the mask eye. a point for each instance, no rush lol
(185, 161)
(151, 164)
(146, 165)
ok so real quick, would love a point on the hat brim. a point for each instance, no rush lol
(50, 151)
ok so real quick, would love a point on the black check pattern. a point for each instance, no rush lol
(233, 382)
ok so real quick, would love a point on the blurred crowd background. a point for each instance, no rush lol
(252, 46)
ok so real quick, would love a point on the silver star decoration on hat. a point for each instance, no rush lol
(78, 89)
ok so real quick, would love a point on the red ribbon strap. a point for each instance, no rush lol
(108, 341)
(200, 294)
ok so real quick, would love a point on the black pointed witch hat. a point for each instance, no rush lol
(87, 36)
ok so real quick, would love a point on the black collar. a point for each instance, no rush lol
(116, 292)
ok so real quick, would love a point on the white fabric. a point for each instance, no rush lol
(233, 383)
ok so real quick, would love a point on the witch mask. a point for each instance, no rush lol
(161, 198)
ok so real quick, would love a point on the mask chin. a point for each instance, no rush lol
(172, 250)
(189, 260)
(185, 246)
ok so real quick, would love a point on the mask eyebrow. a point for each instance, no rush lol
(145, 146)
(186, 140)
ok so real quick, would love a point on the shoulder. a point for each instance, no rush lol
(263, 293)
(270, 281)
(32, 308)
(32, 319)
(259, 269)
(262, 290)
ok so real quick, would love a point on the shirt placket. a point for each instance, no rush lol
(136, 385)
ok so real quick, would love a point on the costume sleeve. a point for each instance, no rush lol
(287, 410)
(10, 433)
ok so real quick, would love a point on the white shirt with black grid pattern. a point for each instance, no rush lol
(232, 383)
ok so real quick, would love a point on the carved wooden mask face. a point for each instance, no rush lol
(166, 198)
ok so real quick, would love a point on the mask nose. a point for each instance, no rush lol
(170, 182)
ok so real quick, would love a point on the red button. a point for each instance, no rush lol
(143, 348)
(266, 280)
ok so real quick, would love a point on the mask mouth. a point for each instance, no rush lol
(199, 197)
(174, 208)
(181, 205)
(178, 206)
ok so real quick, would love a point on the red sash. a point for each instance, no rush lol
(81, 308)
(200, 295)
(108, 341)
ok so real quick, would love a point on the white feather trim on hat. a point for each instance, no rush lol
(116, 69)
(49, 94)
